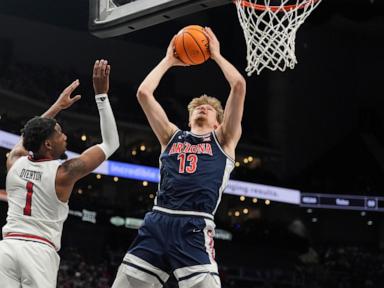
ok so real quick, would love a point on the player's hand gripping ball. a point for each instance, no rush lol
(192, 45)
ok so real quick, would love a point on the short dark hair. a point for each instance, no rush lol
(36, 131)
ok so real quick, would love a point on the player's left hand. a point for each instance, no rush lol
(101, 71)
(65, 99)
(214, 44)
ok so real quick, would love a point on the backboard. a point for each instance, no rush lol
(109, 18)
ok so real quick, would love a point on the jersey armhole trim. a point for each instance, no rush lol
(171, 139)
(221, 148)
(54, 185)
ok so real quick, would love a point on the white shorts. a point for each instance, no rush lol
(28, 264)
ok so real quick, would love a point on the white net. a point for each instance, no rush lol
(270, 28)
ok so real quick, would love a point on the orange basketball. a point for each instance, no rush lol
(191, 45)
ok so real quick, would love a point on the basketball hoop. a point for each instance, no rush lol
(270, 28)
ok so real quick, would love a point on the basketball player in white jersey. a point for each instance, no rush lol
(39, 185)
(177, 236)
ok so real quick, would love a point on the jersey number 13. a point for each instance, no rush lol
(187, 163)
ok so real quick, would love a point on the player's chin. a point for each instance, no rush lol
(63, 156)
(200, 117)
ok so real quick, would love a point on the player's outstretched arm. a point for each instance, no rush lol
(230, 130)
(76, 168)
(64, 101)
(156, 115)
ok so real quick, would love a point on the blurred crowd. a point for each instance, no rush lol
(336, 266)
(45, 83)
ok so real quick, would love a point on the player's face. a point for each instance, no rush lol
(205, 113)
(59, 143)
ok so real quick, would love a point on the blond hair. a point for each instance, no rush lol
(212, 101)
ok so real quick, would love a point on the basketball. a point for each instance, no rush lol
(191, 45)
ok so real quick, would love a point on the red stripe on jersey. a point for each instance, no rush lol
(38, 160)
(29, 237)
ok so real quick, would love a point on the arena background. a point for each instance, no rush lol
(317, 129)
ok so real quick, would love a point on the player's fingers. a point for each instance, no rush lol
(72, 87)
(172, 43)
(209, 30)
(103, 68)
(76, 98)
(98, 68)
(108, 70)
(207, 35)
(95, 68)
(210, 33)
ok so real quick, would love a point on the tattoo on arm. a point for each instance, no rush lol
(74, 167)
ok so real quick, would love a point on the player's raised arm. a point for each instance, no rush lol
(230, 130)
(64, 101)
(156, 115)
(76, 168)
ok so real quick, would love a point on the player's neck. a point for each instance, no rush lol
(42, 156)
(201, 130)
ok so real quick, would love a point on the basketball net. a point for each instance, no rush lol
(270, 31)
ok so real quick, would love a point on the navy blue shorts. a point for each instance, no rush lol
(168, 243)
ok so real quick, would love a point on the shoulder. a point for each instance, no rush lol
(70, 169)
(71, 165)
(176, 132)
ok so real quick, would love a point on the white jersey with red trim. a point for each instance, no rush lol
(34, 211)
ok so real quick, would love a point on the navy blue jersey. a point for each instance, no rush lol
(194, 171)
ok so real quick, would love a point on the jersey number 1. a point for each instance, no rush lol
(28, 203)
(191, 158)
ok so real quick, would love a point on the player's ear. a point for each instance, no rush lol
(48, 144)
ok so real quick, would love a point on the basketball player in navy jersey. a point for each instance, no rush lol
(38, 187)
(177, 236)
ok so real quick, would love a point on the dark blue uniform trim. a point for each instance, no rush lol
(144, 270)
(196, 273)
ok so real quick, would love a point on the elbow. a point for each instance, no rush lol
(142, 93)
(111, 146)
(239, 85)
(116, 141)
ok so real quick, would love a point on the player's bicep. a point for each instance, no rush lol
(233, 115)
(78, 167)
(157, 118)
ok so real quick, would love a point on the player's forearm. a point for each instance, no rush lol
(18, 149)
(52, 111)
(232, 75)
(107, 125)
(150, 83)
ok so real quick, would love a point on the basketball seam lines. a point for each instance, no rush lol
(205, 58)
(197, 43)
(185, 50)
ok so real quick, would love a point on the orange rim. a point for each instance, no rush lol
(261, 7)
